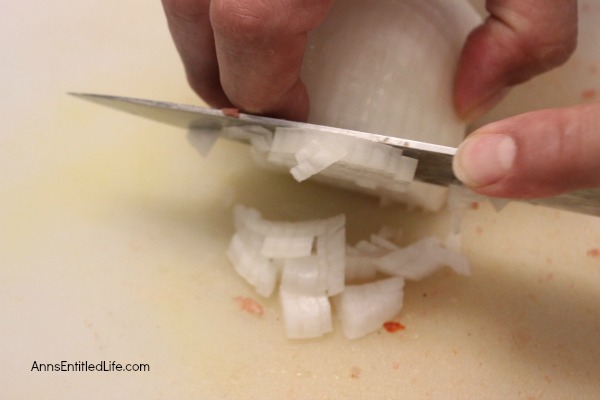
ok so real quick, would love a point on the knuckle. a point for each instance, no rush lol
(549, 48)
(246, 20)
(191, 11)
(550, 53)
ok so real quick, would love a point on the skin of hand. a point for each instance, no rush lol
(248, 53)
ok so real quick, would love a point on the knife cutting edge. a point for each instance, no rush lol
(434, 161)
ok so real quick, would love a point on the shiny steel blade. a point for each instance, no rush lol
(434, 161)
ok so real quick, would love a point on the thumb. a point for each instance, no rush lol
(537, 154)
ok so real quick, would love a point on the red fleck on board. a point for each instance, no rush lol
(250, 306)
(393, 327)
(595, 252)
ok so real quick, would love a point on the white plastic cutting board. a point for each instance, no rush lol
(113, 231)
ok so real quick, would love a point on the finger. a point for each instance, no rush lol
(519, 40)
(189, 24)
(538, 154)
(260, 46)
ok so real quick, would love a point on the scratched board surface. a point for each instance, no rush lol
(113, 232)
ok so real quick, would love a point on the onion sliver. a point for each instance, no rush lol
(421, 259)
(257, 270)
(247, 218)
(364, 308)
(342, 160)
(286, 247)
(313, 158)
(305, 317)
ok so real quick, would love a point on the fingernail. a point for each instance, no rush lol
(484, 159)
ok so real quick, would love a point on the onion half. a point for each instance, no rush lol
(388, 67)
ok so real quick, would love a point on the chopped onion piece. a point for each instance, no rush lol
(421, 259)
(313, 158)
(406, 169)
(286, 247)
(305, 317)
(320, 274)
(364, 308)
(252, 219)
(331, 249)
(377, 157)
(304, 276)
(383, 243)
(365, 247)
(258, 271)
(341, 160)
(426, 196)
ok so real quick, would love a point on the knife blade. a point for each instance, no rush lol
(434, 161)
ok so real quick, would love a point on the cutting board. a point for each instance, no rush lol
(113, 234)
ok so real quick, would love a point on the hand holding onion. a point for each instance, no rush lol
(249, 54)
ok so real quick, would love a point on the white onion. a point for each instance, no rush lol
(383, 243)
(317, 264)
(388, 67)
(303, 276)
(364, 308)
(258, 271)
(405, 172)
(259, 246)
(251, 219)
(341, 160)
(361, 259)
(287, 247)
(313, 158)
(331, 250)
(424, 196)
(304, 316)
(421, 259)
(319, 274)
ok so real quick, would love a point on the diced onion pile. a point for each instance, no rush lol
(311, 264)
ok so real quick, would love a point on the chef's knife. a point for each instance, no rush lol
(434, 161)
